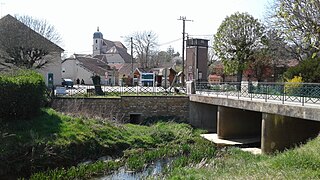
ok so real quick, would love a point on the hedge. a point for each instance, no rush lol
(21, 94)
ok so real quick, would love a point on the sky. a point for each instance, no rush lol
(77, 20)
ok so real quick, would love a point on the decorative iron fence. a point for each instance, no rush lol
(284, 92)
(103, 90)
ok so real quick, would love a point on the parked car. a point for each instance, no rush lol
(68, 83)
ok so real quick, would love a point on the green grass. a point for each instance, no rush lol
(79, 172)
(299, 163)
(56, 141)
(180, 141)
(51, 145)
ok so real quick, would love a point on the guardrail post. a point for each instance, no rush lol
(137, 89)
(267, 93)
(283, 94)
(227, 93)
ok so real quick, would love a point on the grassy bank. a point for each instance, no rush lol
(58, 142)
(299, 163)
(51, 146)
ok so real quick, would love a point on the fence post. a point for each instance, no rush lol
(228, 91)
(267, 93)
(137, 90)
(250, 91)
(239, 90)
(283, 93)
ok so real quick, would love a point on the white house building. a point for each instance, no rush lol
(84, 67)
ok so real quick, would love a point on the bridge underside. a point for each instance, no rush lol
(283, 132)
(203, 116)
(277, 132)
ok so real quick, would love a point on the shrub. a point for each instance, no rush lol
(309, 69)
(293, 86)
(22, 94)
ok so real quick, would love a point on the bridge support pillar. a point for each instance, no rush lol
(282, 132)
(237, 123)
(203, 116)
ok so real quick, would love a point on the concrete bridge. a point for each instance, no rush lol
(278, 120)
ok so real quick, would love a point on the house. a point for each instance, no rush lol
(125, 72)
(83, 67)
(14, 33)
(164, 76)
(214, 78)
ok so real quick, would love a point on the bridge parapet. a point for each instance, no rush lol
(291, 109)
(302, 93)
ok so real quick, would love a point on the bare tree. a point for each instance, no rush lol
(144, 45)
(42, 27)
(22, 46)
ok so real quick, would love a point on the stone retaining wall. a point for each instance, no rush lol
(125, 108)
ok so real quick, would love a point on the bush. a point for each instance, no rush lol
(293, 86)
(309, 69)
(22, 94)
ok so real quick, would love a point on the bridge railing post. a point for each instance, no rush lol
(239, 89)
(266, 96)
(283, 93)
(227, 92)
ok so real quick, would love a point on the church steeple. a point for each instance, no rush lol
(97, 42)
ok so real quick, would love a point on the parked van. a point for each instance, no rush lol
(68, 83)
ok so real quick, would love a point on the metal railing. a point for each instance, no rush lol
(104, 91)
(284, 92)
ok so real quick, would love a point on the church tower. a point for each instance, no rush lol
(97, 43)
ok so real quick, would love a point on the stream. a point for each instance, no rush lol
(154, 169)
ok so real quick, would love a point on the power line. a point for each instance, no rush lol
(202, 35)
(162, 44)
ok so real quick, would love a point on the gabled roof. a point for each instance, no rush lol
(110, 44)
(12, 31)
(143, 70)
(125, 68)
(94, 65)
(116, 47)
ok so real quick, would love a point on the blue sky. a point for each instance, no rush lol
(77, 20)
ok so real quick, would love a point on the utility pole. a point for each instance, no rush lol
(183, 19)
(131, 42)
(131, 54)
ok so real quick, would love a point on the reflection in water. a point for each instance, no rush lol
(151, 170)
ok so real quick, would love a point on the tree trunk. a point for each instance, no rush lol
(239, 79)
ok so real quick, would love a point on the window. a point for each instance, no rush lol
(96, 41)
